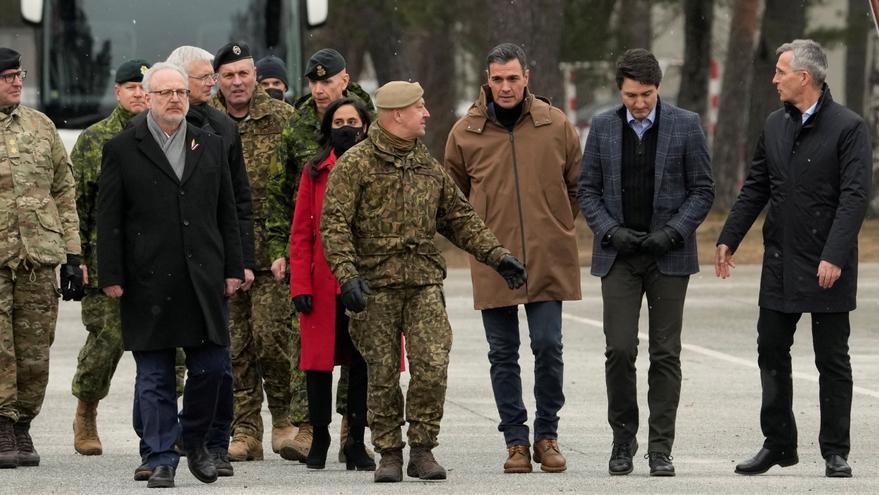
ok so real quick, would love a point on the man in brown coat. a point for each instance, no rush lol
(516, 158)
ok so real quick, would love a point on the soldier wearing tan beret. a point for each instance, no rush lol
(386, 199)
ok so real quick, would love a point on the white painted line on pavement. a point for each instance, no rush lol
(720, 355)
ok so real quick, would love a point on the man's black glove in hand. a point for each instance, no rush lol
(72, 288)
(626, 240)
(302, 303)
(354, 294)
(513, 271)
(659, 241)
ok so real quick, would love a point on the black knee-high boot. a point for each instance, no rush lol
(355, 451)
(319, 385)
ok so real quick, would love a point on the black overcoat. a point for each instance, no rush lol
(816, 178)
(169, 242)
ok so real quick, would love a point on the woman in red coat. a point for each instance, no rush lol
(315, 292)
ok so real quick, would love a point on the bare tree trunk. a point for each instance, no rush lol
(730, 139)
(781, 24)
(433, 64)
(693, 93)
(537, 27)
(384, 41)
(856, 54)
(636, 24)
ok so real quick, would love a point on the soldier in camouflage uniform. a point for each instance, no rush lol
(261, 320)
(39, 231)
(100, 314)
(327, 81)
(386, 199)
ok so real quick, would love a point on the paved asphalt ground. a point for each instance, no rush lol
(718, 421)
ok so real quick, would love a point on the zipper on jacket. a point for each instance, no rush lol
(519, 206)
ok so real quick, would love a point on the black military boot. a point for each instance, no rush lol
(27, 454)
(8, 446)
(422, 465)
(390, 468)
(319, 386)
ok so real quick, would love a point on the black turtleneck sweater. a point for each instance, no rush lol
(507, 117)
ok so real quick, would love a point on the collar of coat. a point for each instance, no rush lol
(796, 115)
(384, 149)
(535, 109)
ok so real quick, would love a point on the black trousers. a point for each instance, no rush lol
(775, 335)
(622, 291)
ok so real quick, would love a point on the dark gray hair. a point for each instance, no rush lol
(506, 52)
(147, 78)
(185, 55)
(808, 56)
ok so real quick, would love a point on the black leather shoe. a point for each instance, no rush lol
(765, 459)
(660, 464)
(621, 458)
(143, 472)
(837, 467)
(200, 463)
(222, 463)
(162, 477)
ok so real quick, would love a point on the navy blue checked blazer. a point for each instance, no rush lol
(683, 187)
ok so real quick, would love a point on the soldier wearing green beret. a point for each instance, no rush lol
(386, 199)
(261, 322)
(39, 230)
(102, 349)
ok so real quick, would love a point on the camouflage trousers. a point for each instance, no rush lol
(263, 330)
(420, 314)
(103, 349)
(28, 313)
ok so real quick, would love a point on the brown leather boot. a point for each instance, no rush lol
(423, 466)
(302, 442)
(245, 448)
(518, 459)
(27, 454)
(282, 441)
(390, 467)
(8, 447)
(85, 429)
(548, 455)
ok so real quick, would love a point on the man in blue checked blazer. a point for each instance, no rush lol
(645, 185)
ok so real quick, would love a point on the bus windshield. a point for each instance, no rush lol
(85, 40)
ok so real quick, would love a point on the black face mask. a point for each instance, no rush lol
(345, 137)
(276, 93)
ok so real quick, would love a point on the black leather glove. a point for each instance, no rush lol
(72, 288)
(660, 241)
(626, 240)
(513, 271)
(302, 303)
(354, 294)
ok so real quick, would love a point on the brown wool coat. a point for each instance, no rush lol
(524, 185)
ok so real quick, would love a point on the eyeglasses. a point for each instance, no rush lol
(10, 77)
(166, 93)
(207, 78)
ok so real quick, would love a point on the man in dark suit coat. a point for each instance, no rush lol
(813, 166)
(168, 245)
(645, 185)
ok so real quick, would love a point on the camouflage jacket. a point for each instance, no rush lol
(382, 210)
(261, 139)
(299, 145)
(38, 223)
(86, 158)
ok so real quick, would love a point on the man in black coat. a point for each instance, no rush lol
(168, 245)
(813, 166)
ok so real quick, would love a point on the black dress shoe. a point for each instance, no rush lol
(765, 459)
(162, 477)
(221, 462)
(143, 472)
(621, 458)
(660, 464)
(200, 463)
(837, 467)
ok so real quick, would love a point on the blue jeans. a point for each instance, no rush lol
(545, 333)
